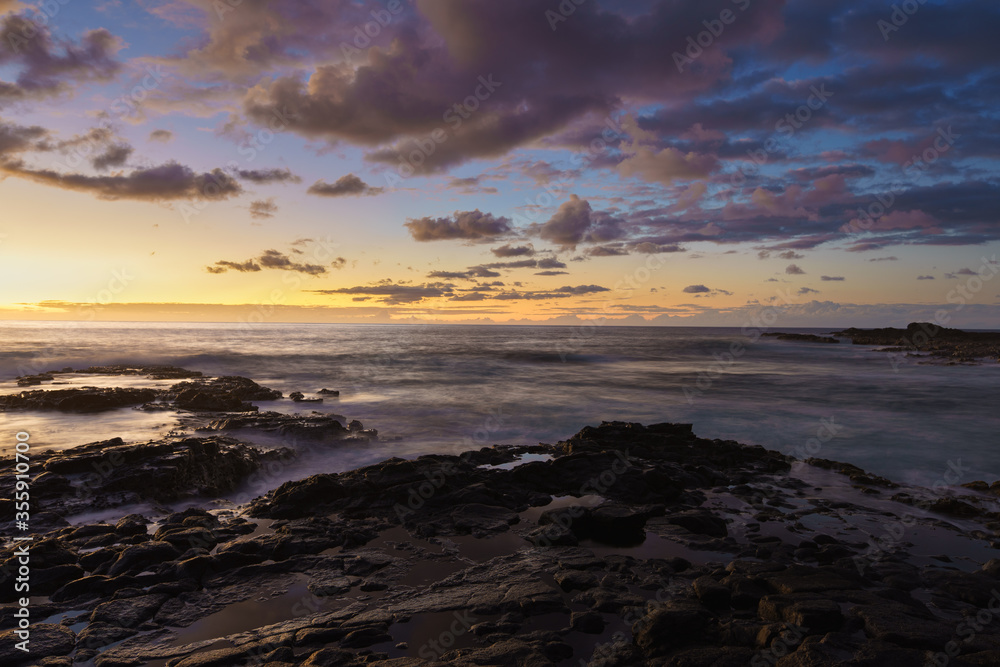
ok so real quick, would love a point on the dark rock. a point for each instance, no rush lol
(670, 627)
(46, 640)
(84, 399)
(140, 557)
(711, 593)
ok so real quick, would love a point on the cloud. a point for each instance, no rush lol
(552, 273)
(472, 185)
(513, 251)
(269, 259)
(463, 225)
(576, 222)
(807, 290)
(473, 272)
(114, 156)
(925, 277)
(349, 185)
(263, 176)
(832, 278)
(168, 182)
(263, 208)
(605, 251)
(16, 138)
(392, 293)
(891, 258)
(667, 165)
(648, 248)
(561, 293)
(793, 269)
(47, 67)
(696, 289)
(162, 136)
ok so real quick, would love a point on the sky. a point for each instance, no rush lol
(639, 162)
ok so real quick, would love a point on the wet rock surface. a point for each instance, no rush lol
(627, 545)
(112, 473)
(936, 342)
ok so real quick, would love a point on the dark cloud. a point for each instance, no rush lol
(263, 208)
(263, 176)
(807, 290)
(46, 66)
(648, 248)
(269, 259)
(576, 222)
(832, 278)
(561, 293)
(884, 259)
(513, 251)
(925, 277)
(400, 96)
(349, 185)
(19, 138)
(552, 273)
(464, 225)
(473, 272)
(162, 136)
(696, 289)
(605, 251)
(114, 156)
(168, 182)
(392, 293)
(793, 269)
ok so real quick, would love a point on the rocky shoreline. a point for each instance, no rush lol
(932, 341)
(622, 545)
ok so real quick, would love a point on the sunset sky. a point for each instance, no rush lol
(662, 161)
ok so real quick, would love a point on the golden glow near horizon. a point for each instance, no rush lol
(152, 184)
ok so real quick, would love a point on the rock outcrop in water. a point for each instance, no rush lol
(939, 342)
(627, 545)
(196, 394)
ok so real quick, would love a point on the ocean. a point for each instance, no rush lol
(439, 388)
